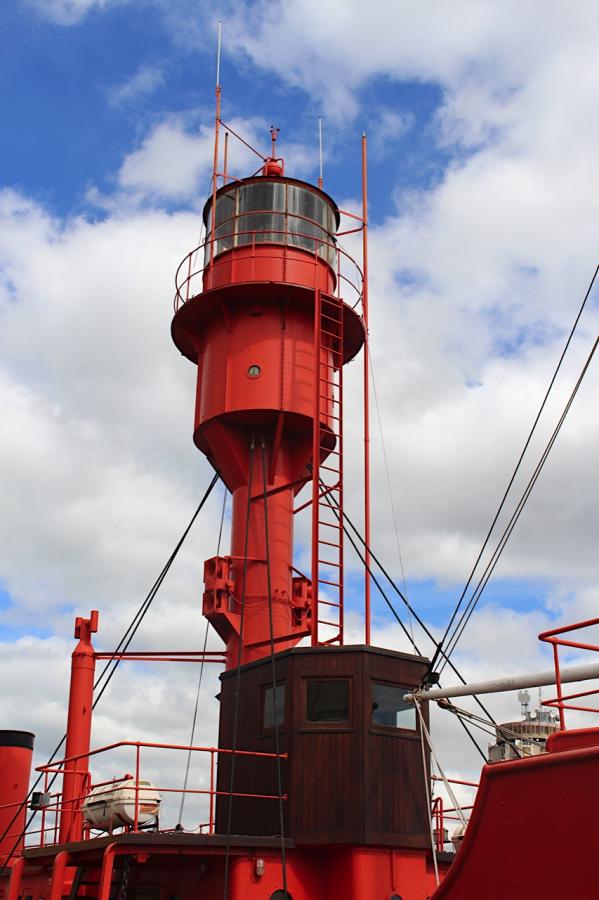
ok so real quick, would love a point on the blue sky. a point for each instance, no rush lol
(482, 243)
(69, 129)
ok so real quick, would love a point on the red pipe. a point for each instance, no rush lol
(366, 393)
(79, 723)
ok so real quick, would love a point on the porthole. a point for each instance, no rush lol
(281, 895)
(254, 371)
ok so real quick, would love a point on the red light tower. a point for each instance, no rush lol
(270, 334)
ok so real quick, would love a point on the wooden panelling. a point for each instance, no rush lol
(352, 782)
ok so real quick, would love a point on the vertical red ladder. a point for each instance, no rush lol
(327, 472)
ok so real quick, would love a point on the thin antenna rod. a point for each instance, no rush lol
(320, 150)
(366, 391)
(216, 137)
(226, 157)
(220, 31)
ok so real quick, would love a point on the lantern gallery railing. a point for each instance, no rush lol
(308, 237)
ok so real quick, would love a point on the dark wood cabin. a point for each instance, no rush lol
(355, 769)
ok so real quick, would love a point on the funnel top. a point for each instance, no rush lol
(9, 738)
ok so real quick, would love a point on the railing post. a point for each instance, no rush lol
(188, 278)
(558, 682)
(211, 813)
(136, 817)
(106, 873)
(43, 825)
(58, 869)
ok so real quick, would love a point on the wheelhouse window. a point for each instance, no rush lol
(269, 719)
(389, 709)
(327, 700)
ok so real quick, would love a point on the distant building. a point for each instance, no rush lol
(526, 737)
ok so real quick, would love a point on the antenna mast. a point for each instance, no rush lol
(216, 137)
(320, 151)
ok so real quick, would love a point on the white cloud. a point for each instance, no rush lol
(174, 161)
(143, 82)
(171, 162)
(69, 12)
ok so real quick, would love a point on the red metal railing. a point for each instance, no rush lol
(554, 638)
(60, 766)
(441, 813)
(188, 280)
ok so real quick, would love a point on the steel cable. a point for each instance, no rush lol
(414, 613)
(238, 674)
(121, 647)
(394, 612)
(483, 581)
(517, 468)
(197, 701)
(274, 676)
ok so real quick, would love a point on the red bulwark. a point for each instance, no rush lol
(531, 833)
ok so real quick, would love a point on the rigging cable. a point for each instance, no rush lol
(362, 559)
(121, 647)
(195, 711)
(416, 617)
(515, 472)
(483, 581)
(391, 498)
(274, 677)
(238, 673)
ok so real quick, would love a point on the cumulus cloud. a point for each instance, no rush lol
(174, 161)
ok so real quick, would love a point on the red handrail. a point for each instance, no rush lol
(59, 766)
(182, 285)
(553, 637)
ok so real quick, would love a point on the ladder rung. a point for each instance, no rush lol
(330, 398)
(326, 381)
(332, 640)
(330, 334)
(329, 544)
(332, 319)
(324, 622)
(328, 603)
(329, 469)
(336, 452)
(331, 583)
(327, 562)
(324, 504)
(330, 524)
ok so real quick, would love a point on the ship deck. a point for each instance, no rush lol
(156, 840)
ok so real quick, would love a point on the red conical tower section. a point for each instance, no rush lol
(263, 321)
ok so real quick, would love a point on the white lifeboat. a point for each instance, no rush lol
(112, 806)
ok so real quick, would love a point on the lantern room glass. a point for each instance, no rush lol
(275, 212)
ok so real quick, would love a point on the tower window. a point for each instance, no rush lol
(327, 700)
(389, 708)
